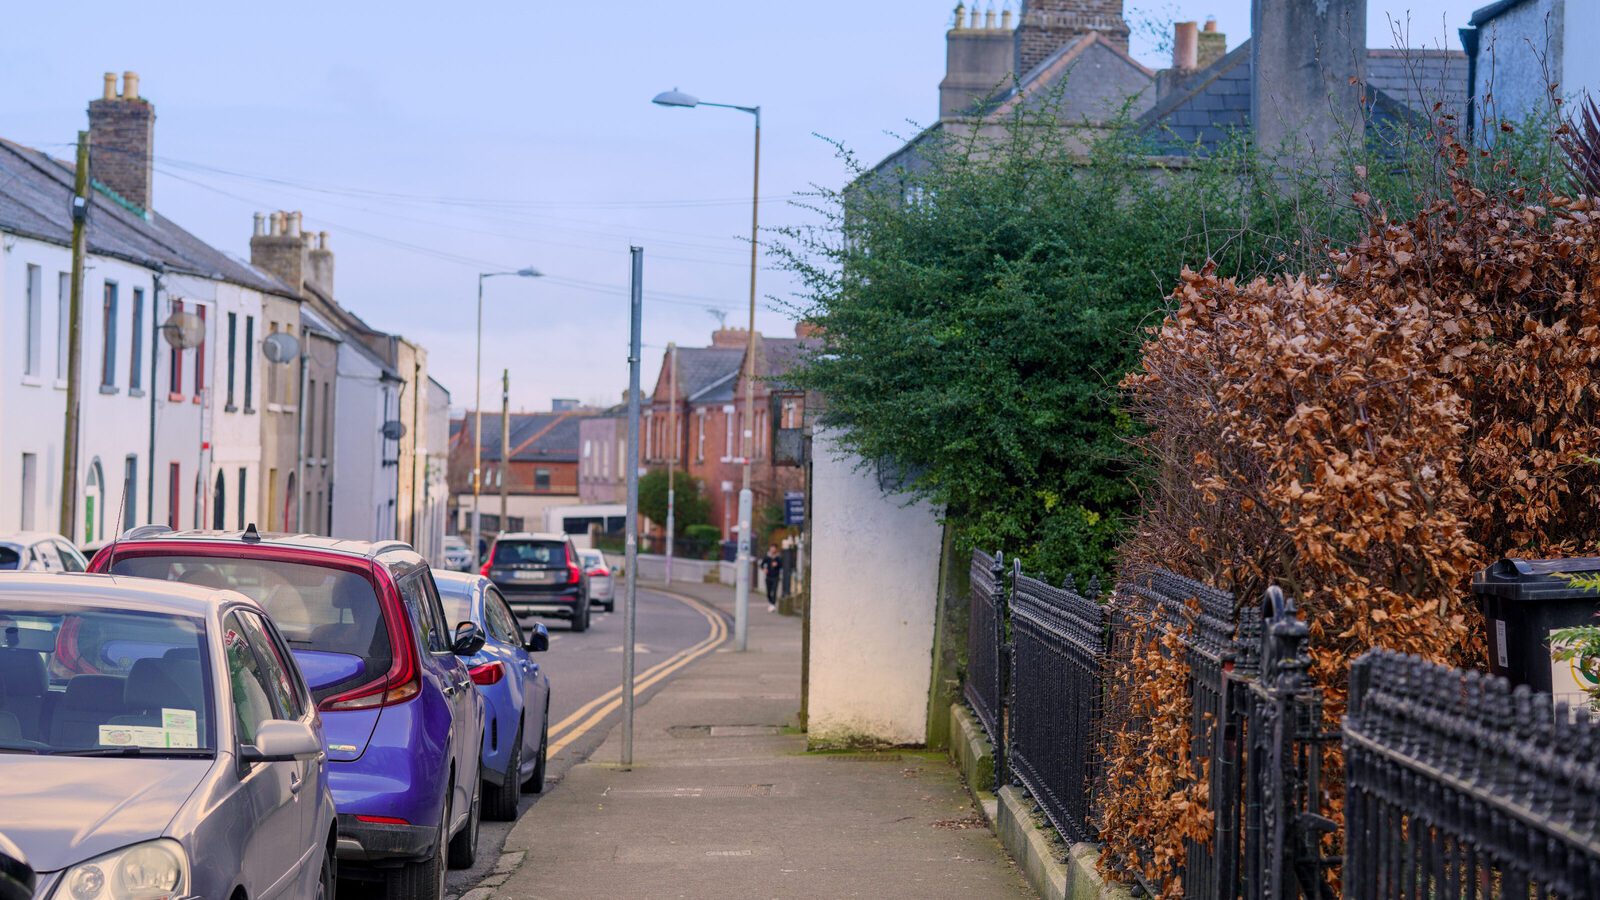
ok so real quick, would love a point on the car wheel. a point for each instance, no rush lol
(611, 605)
(580, 618)
(464, 846)
(535, 782)
(500, 802)
(424, 879)
(328, 880)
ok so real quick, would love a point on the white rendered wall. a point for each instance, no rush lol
(875, 578)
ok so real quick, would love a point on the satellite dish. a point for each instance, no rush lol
(184, 331)
(393, 430)
(279, 347)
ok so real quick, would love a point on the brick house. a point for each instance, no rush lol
(603, 451)
(710, 398)
(542, 472)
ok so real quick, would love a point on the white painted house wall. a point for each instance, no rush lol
(114, 416)
(235, 419)
(363, 487)
(875, 577)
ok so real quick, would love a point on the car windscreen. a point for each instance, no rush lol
(530, 553)
(84, 679)
(317, 609)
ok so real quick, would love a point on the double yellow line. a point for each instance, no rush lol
(591, 714)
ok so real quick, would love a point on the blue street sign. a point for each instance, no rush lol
(794, 508)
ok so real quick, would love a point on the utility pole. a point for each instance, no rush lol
(505, 446)
(631, 547)
(672, 460)
(741, 590)
(69, 442)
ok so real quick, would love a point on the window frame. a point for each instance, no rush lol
(108, 335)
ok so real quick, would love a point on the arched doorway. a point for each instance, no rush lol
(291, 506)
(94, 503)
(219, 503)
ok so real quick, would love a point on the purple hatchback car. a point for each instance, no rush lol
(402, 719)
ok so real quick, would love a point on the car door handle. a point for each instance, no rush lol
(295, 781)
(450, 689)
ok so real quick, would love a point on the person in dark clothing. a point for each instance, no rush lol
(772, 569)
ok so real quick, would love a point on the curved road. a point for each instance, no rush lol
(585, 673)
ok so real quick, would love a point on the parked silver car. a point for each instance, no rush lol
(157, 740)
(602, 579)
(39, 551)
(457, 555)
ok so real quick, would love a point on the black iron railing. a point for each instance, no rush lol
(1058, 650)
(985, 643)
(1459, 786)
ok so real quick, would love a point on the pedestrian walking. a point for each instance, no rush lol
(772, 568)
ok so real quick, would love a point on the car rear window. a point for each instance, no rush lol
(536, 553)
(10, 558)
(315, 608)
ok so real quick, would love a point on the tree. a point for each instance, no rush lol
(692, 507)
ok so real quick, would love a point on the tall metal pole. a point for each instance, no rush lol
(505, 446)
(69, 440)
(631, 547)
(741, 595)
(672, 459)
(477, 440)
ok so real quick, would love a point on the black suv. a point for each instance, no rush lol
(540, 575)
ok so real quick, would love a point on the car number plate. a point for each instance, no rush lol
(531, 576)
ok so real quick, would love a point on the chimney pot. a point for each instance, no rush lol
(322, 240)
(277, 224)
(294, 223)
(111, 87)
(130, 85)
(961, 14)
(1005, 19)
(1185, 45)
(988, 19)
(1211, 25)
(973, 23)
(259, 226)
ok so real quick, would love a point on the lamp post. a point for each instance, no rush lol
(477, 404)
(741, 603)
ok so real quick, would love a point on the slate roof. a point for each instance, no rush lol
(1492, 11)
(35, 198)
(707, 374)
(535, 437)
(781, 355)
(1402, 86)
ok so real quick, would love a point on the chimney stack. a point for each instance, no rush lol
(122, 140)
(281, 252)
(978, 62)
(1308, 65)
(1048, 25)
(319, 266)
(1213, 44)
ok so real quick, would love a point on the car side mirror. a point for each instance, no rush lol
(17, 878)
(469, 639)
(538, 639)
(280, 740)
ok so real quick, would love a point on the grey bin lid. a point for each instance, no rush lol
(1535, 579)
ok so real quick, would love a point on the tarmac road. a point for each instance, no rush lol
(585, 672)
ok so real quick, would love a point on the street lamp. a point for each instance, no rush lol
(741, 604)
(477, 403)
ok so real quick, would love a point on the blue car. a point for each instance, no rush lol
(516, 729)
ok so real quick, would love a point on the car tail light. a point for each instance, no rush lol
(485, 570)
(381, 820)
(488, 673)
(599, 572)
(404, 678)
(574, 574)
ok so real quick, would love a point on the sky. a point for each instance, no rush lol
(437, 141)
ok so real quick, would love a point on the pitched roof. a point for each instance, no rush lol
(702, 371)
(35, 198)
(1493, 11)
(1092, 50)
(1421, 78)
(780, 356)
(534, 437)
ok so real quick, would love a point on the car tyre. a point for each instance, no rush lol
(328, 879)
(535, 782)
(500, 801)
(580, 617)
(423, 879)
(611, 605)
(464, 846)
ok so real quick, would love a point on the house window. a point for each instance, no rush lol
(272, 370)
(327, 420)
(108, 333)
(233, 337)
(249, 363)
(311, 424)
(63, 322)
(541, 479)
(700, 439)
(727, 435)
(136, 351)
(200, 367)
(30, 488)
(175, 363)
(243, 477)
(35, 323)
(174, 493)
(130, 490)
(649, 440)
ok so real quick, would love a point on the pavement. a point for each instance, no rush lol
(723, 800)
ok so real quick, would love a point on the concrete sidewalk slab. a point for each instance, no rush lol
(724, 801)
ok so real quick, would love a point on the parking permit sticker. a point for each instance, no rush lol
(132, 736)
(180, 726)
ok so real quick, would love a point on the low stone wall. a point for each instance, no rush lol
(1056, 871)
